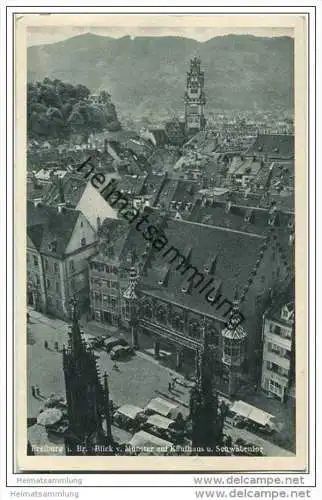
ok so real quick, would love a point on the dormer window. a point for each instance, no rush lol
(185, 289)
(271, 220)
(52, 247)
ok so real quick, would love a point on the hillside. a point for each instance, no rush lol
(148, 73)
(57, 109)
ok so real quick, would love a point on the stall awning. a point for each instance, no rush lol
(252, 413)
(163, 407)
(160, 421)
(130, 411)
(146, 443)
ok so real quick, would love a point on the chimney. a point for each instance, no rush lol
(37, 202)
(60, 207)
(213, 265)
(228, 206)
(187, 286)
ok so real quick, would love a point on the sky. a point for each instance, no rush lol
(38, 35)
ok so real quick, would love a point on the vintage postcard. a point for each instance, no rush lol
(161, 242)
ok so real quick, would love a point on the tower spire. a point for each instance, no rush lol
(74, 332)
(204, 412)
(87, 398)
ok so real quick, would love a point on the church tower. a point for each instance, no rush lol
(206, 415)
(195, 99)
(88, 402)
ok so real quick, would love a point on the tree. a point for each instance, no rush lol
(56, 109)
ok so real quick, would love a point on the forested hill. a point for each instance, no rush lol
(149, 73)
(57, 109)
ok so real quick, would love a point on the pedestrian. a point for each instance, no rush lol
(174, 380)
(170, 387)
(56, 346)
(33, 392)
(46, 344)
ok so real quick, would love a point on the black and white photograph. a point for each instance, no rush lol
(160, 233)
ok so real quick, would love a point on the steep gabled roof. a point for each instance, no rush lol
(236, 254)
(45, 225)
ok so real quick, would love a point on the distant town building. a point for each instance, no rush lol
(278, 348)
(242, 172)
(195, 99)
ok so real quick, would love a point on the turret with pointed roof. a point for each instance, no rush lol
(234, 336)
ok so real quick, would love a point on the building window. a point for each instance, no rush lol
(71, 266)
(46, 264)
(56, 267)
(48, 284)
(57, 287)
(275, 388)
(83, 242)
(35, 260)
(277, 330)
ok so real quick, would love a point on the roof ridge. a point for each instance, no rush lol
(221, 228)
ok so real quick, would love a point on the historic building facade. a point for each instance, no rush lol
(278, 350)
(59, 243)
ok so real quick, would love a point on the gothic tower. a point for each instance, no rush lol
(194, 99)
(205, 413)
(87, 399)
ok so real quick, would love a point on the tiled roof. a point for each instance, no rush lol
(274, 146)
(236, 254)
(285, 296)
(249, 167)
(46, 225)
(121, 136)
(160, 136)
(217, 215)
(72, 185)
(112, 235)
(133, 184)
